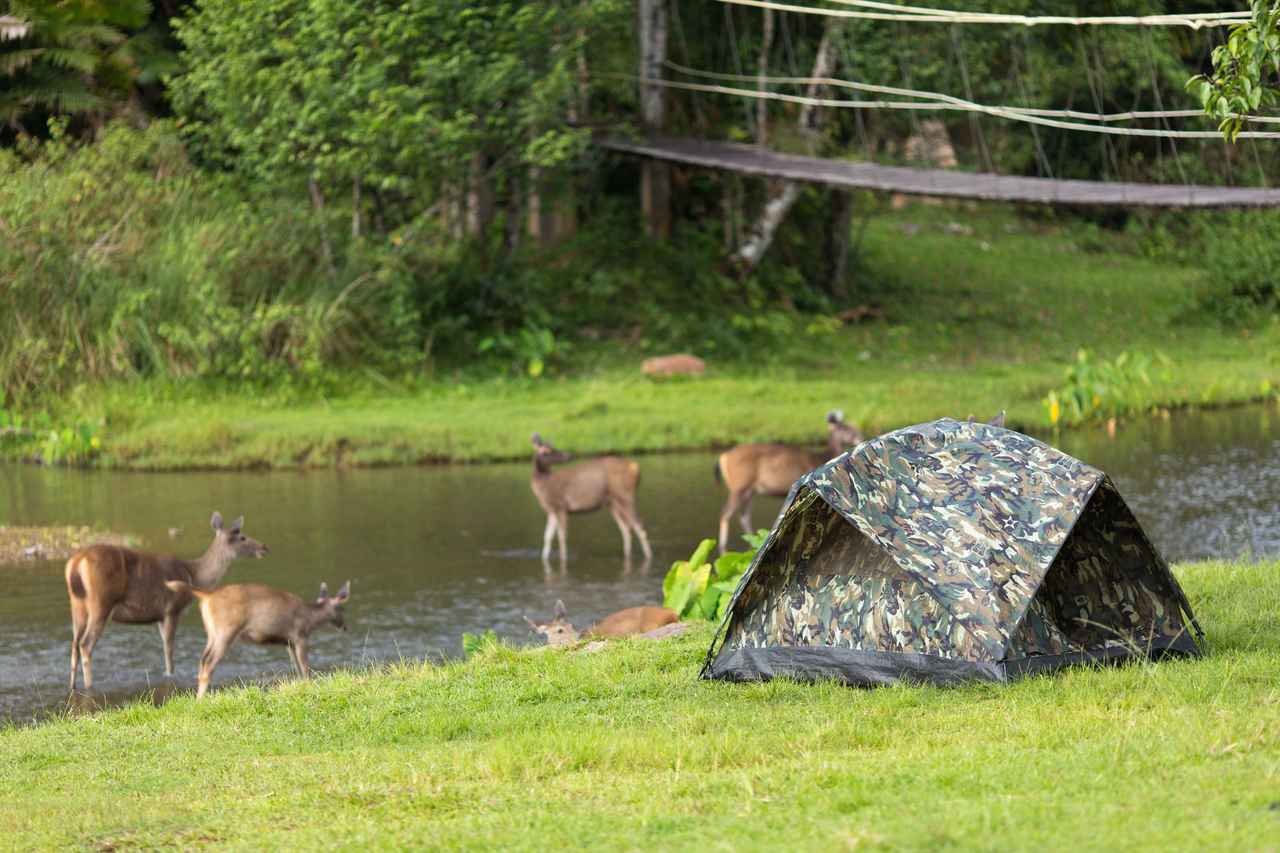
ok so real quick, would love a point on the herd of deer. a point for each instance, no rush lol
(108, 582)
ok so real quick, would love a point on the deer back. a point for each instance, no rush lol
(633, 620)
(765, 468)
(130, 581)
(578, 487)
(263, 614)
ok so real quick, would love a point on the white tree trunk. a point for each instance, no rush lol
(783, 194)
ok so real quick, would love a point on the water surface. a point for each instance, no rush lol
(435, 552)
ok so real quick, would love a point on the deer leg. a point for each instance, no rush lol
(562, 523)
(97, 621)
(168, 628)
(300, 649)
(633, 518)
(546, 537)
(214, 649)
(744, 518)
(79, 619)
(730, 507)
(293, 657)
(620, 518)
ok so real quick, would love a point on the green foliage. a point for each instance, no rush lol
(696, 589)
(123, 261)
(1242, 267)
(479, 644)
(408, 99)
(1097, 388)
(79, 57)
(1246, 70)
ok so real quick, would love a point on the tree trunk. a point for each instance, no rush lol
(479, 196)
(762, 105)
(655, 187)
(317, 201)
(839, 223)
(783, 194)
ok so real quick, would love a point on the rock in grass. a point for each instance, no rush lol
(680, 364)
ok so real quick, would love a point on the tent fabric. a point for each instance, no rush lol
(964, 550)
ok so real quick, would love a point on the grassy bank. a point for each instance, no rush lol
(982, 311)
(625, 749)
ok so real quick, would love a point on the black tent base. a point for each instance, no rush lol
(870, 669)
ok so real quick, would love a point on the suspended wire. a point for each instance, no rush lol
(916, 14)
(1132, 115)
(944, 102)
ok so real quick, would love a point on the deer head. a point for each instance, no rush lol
(545, 455)
(558, 631)
(997, 421)
(841, 435)
(230, 539)
(330, 608)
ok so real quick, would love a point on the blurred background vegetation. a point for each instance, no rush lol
(310, 193)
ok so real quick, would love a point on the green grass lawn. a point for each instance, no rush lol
(974, 322)
(626, 749)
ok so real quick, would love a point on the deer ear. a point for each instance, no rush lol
(560, 612)
(237, 524)
(216, 521)
(998, 420)
(537, 440)
(970, 419)
(324, 591)
(533, 625)
(344, 593)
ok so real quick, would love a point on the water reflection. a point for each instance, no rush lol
(435, 552)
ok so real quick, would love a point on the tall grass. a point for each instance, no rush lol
(120, 259)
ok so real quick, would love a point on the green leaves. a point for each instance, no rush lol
(697, 590)
(1238, 85)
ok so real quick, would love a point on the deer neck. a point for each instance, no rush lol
(208, 569)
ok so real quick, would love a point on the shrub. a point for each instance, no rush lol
(1242, 261)
(696, 589)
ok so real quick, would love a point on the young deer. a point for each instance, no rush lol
(624, 623)
(263, 615)
(585, 487)
(109, 582)
(770, 469)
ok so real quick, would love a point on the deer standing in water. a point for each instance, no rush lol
(109, 582)
(624, 623)
(770, 469)
(263, 615)
(584, 487)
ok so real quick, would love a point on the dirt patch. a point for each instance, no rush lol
(25, 544)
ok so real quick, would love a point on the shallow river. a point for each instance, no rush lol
(435, 552)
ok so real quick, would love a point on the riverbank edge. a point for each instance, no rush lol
(53, 542)
(490, 423)
(626, 748)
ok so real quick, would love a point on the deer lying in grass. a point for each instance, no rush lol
(262, 615)
(110, 582)
(584, 487)
(770, 469)
(624, 623)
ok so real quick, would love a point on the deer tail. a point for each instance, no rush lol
(715, 469)
(75, 583)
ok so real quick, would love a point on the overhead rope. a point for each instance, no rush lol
(945, 102)
(951, 101)
(1194, 20)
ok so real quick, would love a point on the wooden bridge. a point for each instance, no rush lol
(751, 160)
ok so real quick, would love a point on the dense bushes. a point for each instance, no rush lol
(1243, 262)
(122, 260)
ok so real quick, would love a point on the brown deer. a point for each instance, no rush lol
(624, 623)
(770, 469)
(584, 487)
(263, 615)
(109, 582)
(997, 421)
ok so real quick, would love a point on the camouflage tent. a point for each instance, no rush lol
(945, 552)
